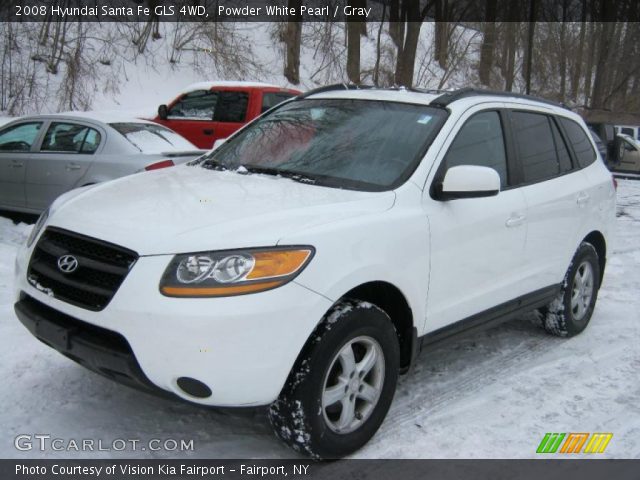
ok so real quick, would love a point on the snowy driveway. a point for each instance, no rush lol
(491, 396)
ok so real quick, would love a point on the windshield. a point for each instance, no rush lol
(149, 138)
(357, 144)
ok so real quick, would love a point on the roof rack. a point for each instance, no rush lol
(449, 97)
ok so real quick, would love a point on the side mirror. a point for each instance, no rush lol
(163, 112)
(469, 181)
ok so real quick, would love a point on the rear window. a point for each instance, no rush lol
(150, 138)
(582, 146)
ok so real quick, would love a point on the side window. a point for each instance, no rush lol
(19, 138)
(70, 137)
(91, 141)
(535, 145)
(197, 105)
(271, 99)
(627, 131)
(231, 107)
(561, 149)
(480, 142)
(582, 147)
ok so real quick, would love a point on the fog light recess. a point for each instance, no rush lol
(194, 387)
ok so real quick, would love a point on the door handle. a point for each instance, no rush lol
(73, 166)
(16, 164)
(582, 199)
(208, 131)
(515, 221)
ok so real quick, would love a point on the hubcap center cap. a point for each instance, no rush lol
(354, 384)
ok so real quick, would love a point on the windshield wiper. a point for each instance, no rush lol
(295, 176)
(209, 163)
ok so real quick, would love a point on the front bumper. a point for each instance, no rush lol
(242, 348)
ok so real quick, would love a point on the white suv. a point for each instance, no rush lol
(306, 261)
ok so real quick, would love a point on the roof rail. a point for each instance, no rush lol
(449, 97)
(335, 86)
(352, 86)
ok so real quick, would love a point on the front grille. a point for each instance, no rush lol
(101, 268)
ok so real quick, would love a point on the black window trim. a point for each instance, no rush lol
(575, 165)
(512, 171)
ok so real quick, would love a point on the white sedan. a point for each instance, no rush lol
(43, 156)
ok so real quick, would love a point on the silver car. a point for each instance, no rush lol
(43, 156)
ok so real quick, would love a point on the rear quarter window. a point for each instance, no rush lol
(580, 142)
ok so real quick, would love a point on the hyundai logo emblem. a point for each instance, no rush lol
(67, 263)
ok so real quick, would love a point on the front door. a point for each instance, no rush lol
(477, 244)
(63, 158)
(16, 142)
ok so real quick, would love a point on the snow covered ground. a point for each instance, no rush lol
(491, 396)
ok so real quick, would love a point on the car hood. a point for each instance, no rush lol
(185, 209)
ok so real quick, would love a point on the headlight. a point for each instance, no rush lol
(233, 272)
(35, 231)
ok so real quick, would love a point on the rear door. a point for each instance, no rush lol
(16, 143)
(556, 196)
(232, 110)
(65, 153)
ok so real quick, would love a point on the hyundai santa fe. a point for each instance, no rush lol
(304, 263)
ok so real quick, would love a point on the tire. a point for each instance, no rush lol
(308, 415)
(570, 313)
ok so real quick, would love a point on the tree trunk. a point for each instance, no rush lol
(292, 39)
(441, 39)
(488, 43)
(528, 62)
(602, 64)
(407, 59)
(591, 54)
(510, 39)
(578, 61)
(376, 69)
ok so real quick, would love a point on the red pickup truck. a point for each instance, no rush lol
(208, 111)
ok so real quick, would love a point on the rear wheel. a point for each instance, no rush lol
(341, 388)
(571, 311)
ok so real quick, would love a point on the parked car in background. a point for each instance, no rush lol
(210, 111)
(630, 161)
(44, 156)
(612, 143)
(630, 130)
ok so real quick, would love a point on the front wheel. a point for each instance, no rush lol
(341, 387)
(570, 312)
